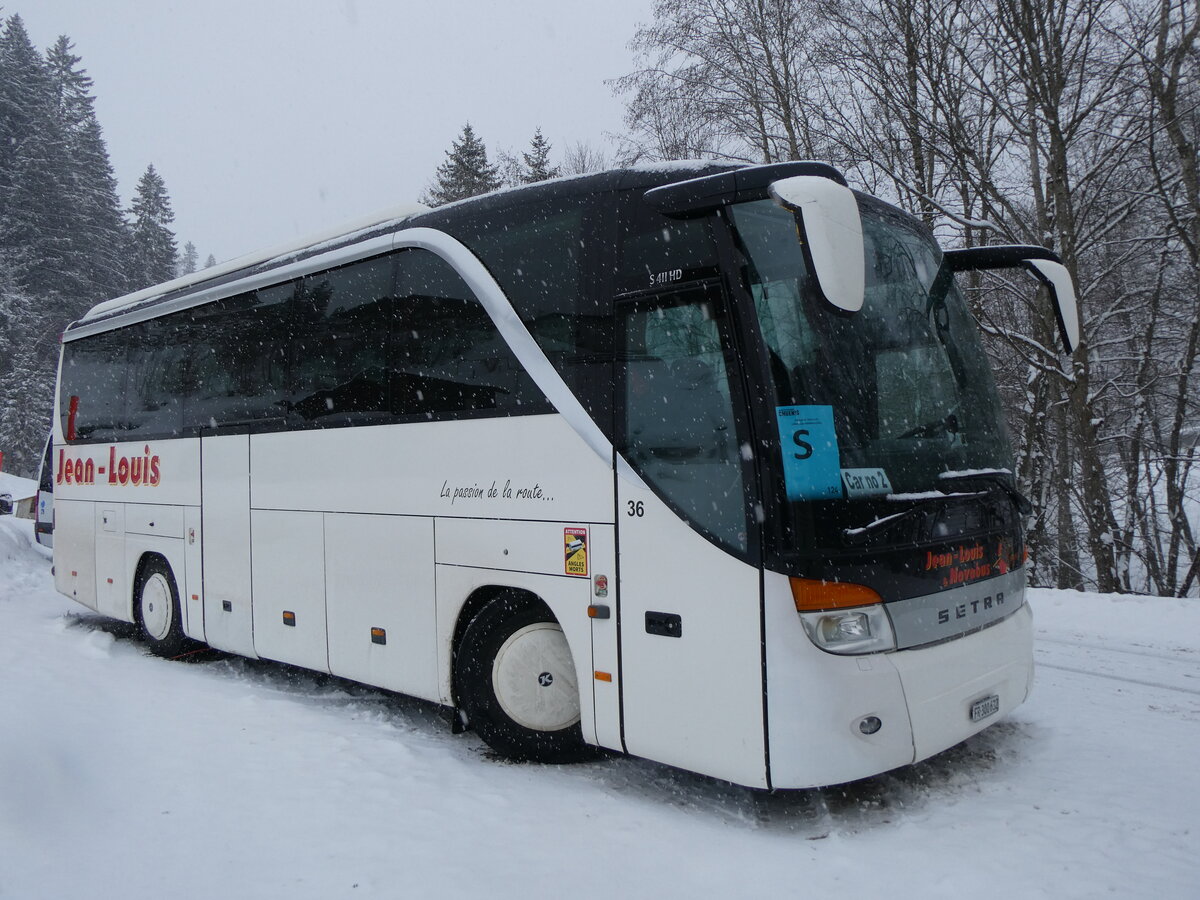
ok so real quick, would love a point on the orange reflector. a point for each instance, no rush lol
(289, 618)
(603, 676)
(812, 594)
(195, 596)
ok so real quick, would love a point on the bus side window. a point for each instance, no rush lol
(447, 359)
(238, 369)
(342, 319)
(157, 358)
(92, 405)
(544, 254)
(679, 428)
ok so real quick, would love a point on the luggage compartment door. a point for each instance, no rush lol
(225, 490)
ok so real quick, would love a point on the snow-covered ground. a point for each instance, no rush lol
(123, 775)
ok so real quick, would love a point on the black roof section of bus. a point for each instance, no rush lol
(697, 196)
(633, 178)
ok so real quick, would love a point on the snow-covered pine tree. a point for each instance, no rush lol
(210, 261)
(61, 228)
(40, 278)
(34, 253)
(188, 259)
(35, 223)
(465, 172)
(16, 316)
(151, 242)
(25, 407)
(35, 213)
(98, 229)
(26, 381)
(23, 86)
(72, 85)
(537, 160)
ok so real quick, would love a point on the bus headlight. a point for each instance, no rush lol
(842, 617)
(865, 629)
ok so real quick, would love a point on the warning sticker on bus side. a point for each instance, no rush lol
(575, 551)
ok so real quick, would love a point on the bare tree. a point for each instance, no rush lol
(730, 78)
(1069, 124)
(1163, 38)
(581, 158)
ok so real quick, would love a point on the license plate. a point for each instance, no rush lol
(988, 706)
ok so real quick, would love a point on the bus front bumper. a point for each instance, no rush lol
(819, 705)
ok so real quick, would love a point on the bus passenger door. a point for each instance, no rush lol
(689, 592)
(191, 591)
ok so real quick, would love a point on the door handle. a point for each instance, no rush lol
(665, 624)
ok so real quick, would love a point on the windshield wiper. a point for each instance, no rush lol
(923, 505)
(994, 479)
(948, 425)
(862, 533)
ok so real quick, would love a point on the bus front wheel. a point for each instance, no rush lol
(156, 607)
(517, 685)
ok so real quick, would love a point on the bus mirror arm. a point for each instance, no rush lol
(1043, 264)
(816, 193)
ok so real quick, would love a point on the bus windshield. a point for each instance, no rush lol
(879, 404)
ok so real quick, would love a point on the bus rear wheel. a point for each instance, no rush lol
(517, 685)
(156, 609)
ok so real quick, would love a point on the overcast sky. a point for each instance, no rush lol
(271, 120)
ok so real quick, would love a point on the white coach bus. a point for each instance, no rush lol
(700, 463)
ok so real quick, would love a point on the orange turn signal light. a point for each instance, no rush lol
(812, 594)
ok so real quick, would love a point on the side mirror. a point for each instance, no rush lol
(1062, 291)
(1043, 264)
(831, 234)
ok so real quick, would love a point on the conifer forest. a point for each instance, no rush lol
(65, 242)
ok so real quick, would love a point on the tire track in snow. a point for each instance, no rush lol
(1146, 665)
(1138, 681)
(1177, 655)
(1168, 669)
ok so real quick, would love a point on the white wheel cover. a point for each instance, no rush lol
(534, 678)
(155, 607)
